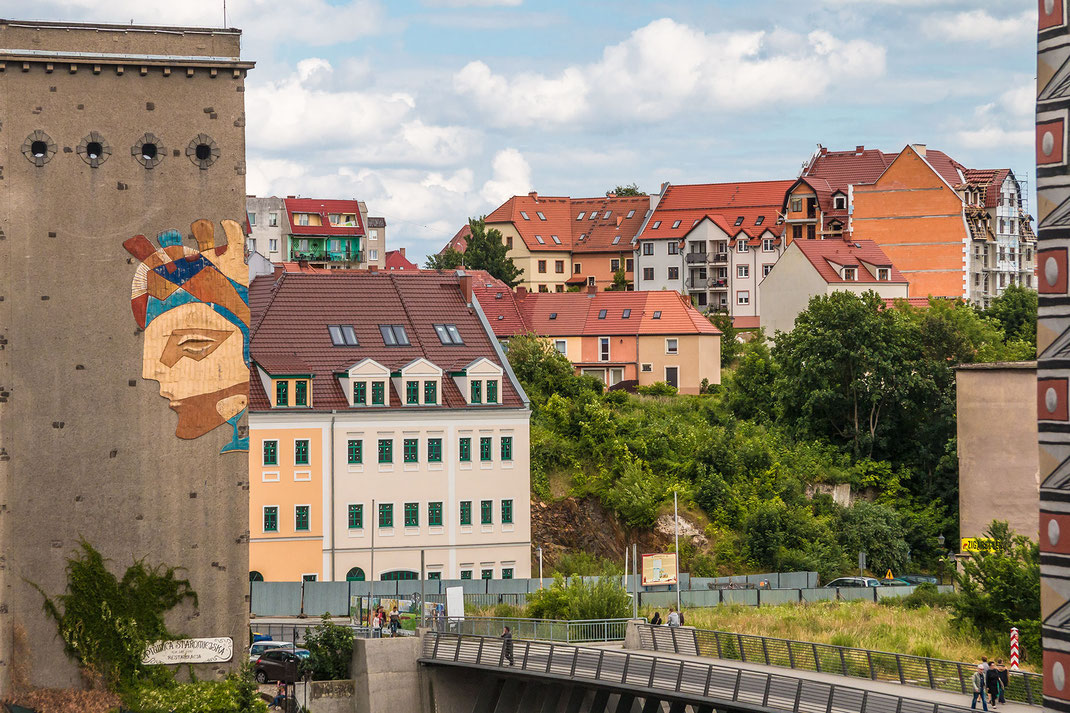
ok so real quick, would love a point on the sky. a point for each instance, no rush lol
(436, 110)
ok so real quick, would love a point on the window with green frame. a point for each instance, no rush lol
(301, 451)
(486, 512)
(271, 452)
(301, 517)
(360, 392)
(271, 518)
(411, 448)
(434, 514)
(434, 450)
(507, 512)
(412, 514)
(378, 393)
(355, 451)
(507, 572)
(386, 450)
(492, 391)
(477, 391)
(356, 517)
(466, 574)
(430, 392)
(487, 574)
(301, 392)
(282, 393)
(485, 446)
(386, 515)
(412, 392)
(466, 512)
(434, 576)
(507, 448)
(465, 449)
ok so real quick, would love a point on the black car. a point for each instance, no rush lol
(279, 665)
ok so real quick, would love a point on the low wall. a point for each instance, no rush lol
(386, 676)
(330, 696)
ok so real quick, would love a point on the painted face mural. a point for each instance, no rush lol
(194, 309)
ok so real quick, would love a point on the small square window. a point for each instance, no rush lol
(507, 572)
(487, 574)
(553, 315)
(466, 573)
(411, 448)
(602, 314)
(657, 314)
(646, 368)
(626, 314)
(672, 346)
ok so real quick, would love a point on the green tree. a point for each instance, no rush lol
(1016, 312)
(749, 388)
(876, 530)
(450, 259)
(544, 371)
(632, 189)
(487, 251)
(330, 648)
(731, 347)
(620, 281)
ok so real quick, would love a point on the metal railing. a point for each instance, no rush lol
(295, 633)
(936, 674)
(574, 632)
(667, 678)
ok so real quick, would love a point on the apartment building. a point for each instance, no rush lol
(376, 243)
(268, 227)
(323, 233)
(380, 434)
(621, 337)
(713, 243)
(1001, 234)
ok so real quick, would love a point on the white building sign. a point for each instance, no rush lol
(214, 650)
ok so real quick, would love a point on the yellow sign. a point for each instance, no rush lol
(888, 574)
(659, 569)
(977, 544)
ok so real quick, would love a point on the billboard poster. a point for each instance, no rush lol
(659, 569)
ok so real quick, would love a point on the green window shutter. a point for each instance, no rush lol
(386, 515)
(485, 444)
(378, 393)
(431, 392)
(507, 572)
(360, 392)
(411, 450)
(507, 447)
(412, 392)
(492, 391)
(301, 393)
(434, 450)
(271, 452)
(412, 514)
(271, 519)
(356, 451)
(434, 514)
(386, 450)
(507, 512)
(301, 452)
(356, 517)
(282, 393)
(477, 395)
(466, 574)
(486, 514)
(301, 518)
(466, 512)
(466, 450)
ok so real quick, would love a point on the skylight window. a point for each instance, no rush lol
(657, 314)
(626, 314)
(541, 241)
(602, 314)
(656, 225)
(556, 239)
(759, 220)
(631, 213)
(739, 220)
(616, 239)
(448, 334)
(394, 335)
(524, 215)
(553, 315)
(594, 214)
(342, 335)
(580, 216)
(675, 224)
(607, 214)
(540, 214)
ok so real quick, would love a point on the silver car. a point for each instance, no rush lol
(854, 582)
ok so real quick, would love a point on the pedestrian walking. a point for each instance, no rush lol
(656, 620)
(377, 624)
(395, 620)
(674, 617)
(992, 684)
(507, 645)
(1004, 679)
(978, 681)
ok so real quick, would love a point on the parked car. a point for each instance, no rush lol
(920, 578)
(854, 582)
(895, 582)
(279, 664)
(259, 647)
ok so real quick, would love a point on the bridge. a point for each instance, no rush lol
(472, 674)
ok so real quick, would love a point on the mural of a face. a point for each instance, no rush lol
(194, 309)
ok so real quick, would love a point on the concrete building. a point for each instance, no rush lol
(378, 434)
(820, 267)
(1003, 242)
(635, 338)
(268, 227)
(123, 193)
(999, 467)
(376, 242)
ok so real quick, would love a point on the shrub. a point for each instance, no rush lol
(331, 650)
(507, 611)
(658, 388)
(228, 696)
(580, 599)
(584, 564)
(924, 595)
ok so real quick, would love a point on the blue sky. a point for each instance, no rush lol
(434, 110)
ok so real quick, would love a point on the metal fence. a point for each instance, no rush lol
(295, 633)
(683, 680)
(936, 674)
(575, 632)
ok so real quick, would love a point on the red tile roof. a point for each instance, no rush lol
(395, 260)
(758, 203)
(291, 315)
(323, 208)
(459, 241)
(993, 178)
(843, 168)
(948, 168)
(561, 217)
(824, 255)
(746, 322)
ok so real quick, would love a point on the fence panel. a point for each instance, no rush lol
(275, 598)
(885, 592)
(326, 597)
(772, 597)
(740, 596)
(822, 594)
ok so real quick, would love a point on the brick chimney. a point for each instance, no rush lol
(402, 251)
(373, 268)
(534, 194)
(521, 292)
(920, 148)
(466, 288)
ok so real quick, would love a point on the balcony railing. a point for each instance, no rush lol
(719, 257)
(328, 256)
(696, 257)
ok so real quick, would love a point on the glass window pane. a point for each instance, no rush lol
(507, 447)
(356, 451)
(466, 512)
(360, 392)
(356, 517)
(411, 447)
(485, 448)
(434, 450)
(386, 450)
(412, 514)
(378, 393)
(465, 449)
(336, 335)
(486, 516)
(492, 391)
(301, 452)
(412, 392)
(271, 452)
(430, 392)
(434, 514)
(386, 515)
(507, 512)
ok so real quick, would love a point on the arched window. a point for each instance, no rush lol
(255, 576)
(355, 575)
(398, 575)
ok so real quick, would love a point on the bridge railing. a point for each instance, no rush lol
(679, 679)
(936, 674)
(575, 632)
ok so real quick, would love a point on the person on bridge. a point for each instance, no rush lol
(1004, 679)
(674, 617)
(978, 681)
(656, 620)
(507, 645)
(992, 683)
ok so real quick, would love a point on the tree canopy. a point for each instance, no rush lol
(449, 259)
(632, 189)
(485, 250)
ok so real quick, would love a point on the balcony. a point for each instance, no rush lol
(717, 282)
(696, 257)
(719, 258)
(328, 256)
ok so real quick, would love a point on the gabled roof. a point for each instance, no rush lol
(291, 315)
(561, 217)
(323, 208)
(990, 178)
(396, 261)
(750, 208)
(459, 241)
(826, 255)
(843, 168)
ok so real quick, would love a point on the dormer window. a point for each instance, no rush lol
(412, 392)
(282, 393)
(342, 335)
(301, 392)
(378, 393)
(448, 334)
(540, 214)
(477, 391)
(394, 335)
(360, 393)
(580, 216)
(524, 215)
(492, 391)
(884, 273)
(430, 392)
(849, 273)
(839, 202)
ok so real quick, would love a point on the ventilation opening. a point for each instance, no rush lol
(203, 152)
(94, 149)
(39, 149)
(148, 151)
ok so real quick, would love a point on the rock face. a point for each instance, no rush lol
(665, 527)
(583, 524)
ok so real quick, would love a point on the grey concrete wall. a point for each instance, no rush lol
(386, 676)
(330, 696)
(88, 447)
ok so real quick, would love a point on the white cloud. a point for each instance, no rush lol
(980, 26)
(667, 67)
(1004, 123)
(512, 176)
(473, 3)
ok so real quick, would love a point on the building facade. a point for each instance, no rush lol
(380, 435)
(1003, 244)
(268, 227)
(123, 154)
(376, 243)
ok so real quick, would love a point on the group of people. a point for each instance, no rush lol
(380, 620)
(989, 683)
(675, 618)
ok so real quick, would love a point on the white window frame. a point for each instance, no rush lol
(273, 245)
(561, 345)
(885, 273)
(741, 246)
(839, 202)
(768, 245)
(303, 505)
(373, 255)
(646, 368)
(672, 345)
(742, 297)
(273, 220)
(850, 274)
(606, 354)
(743, 271)
(277, 454)
(278, 525)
